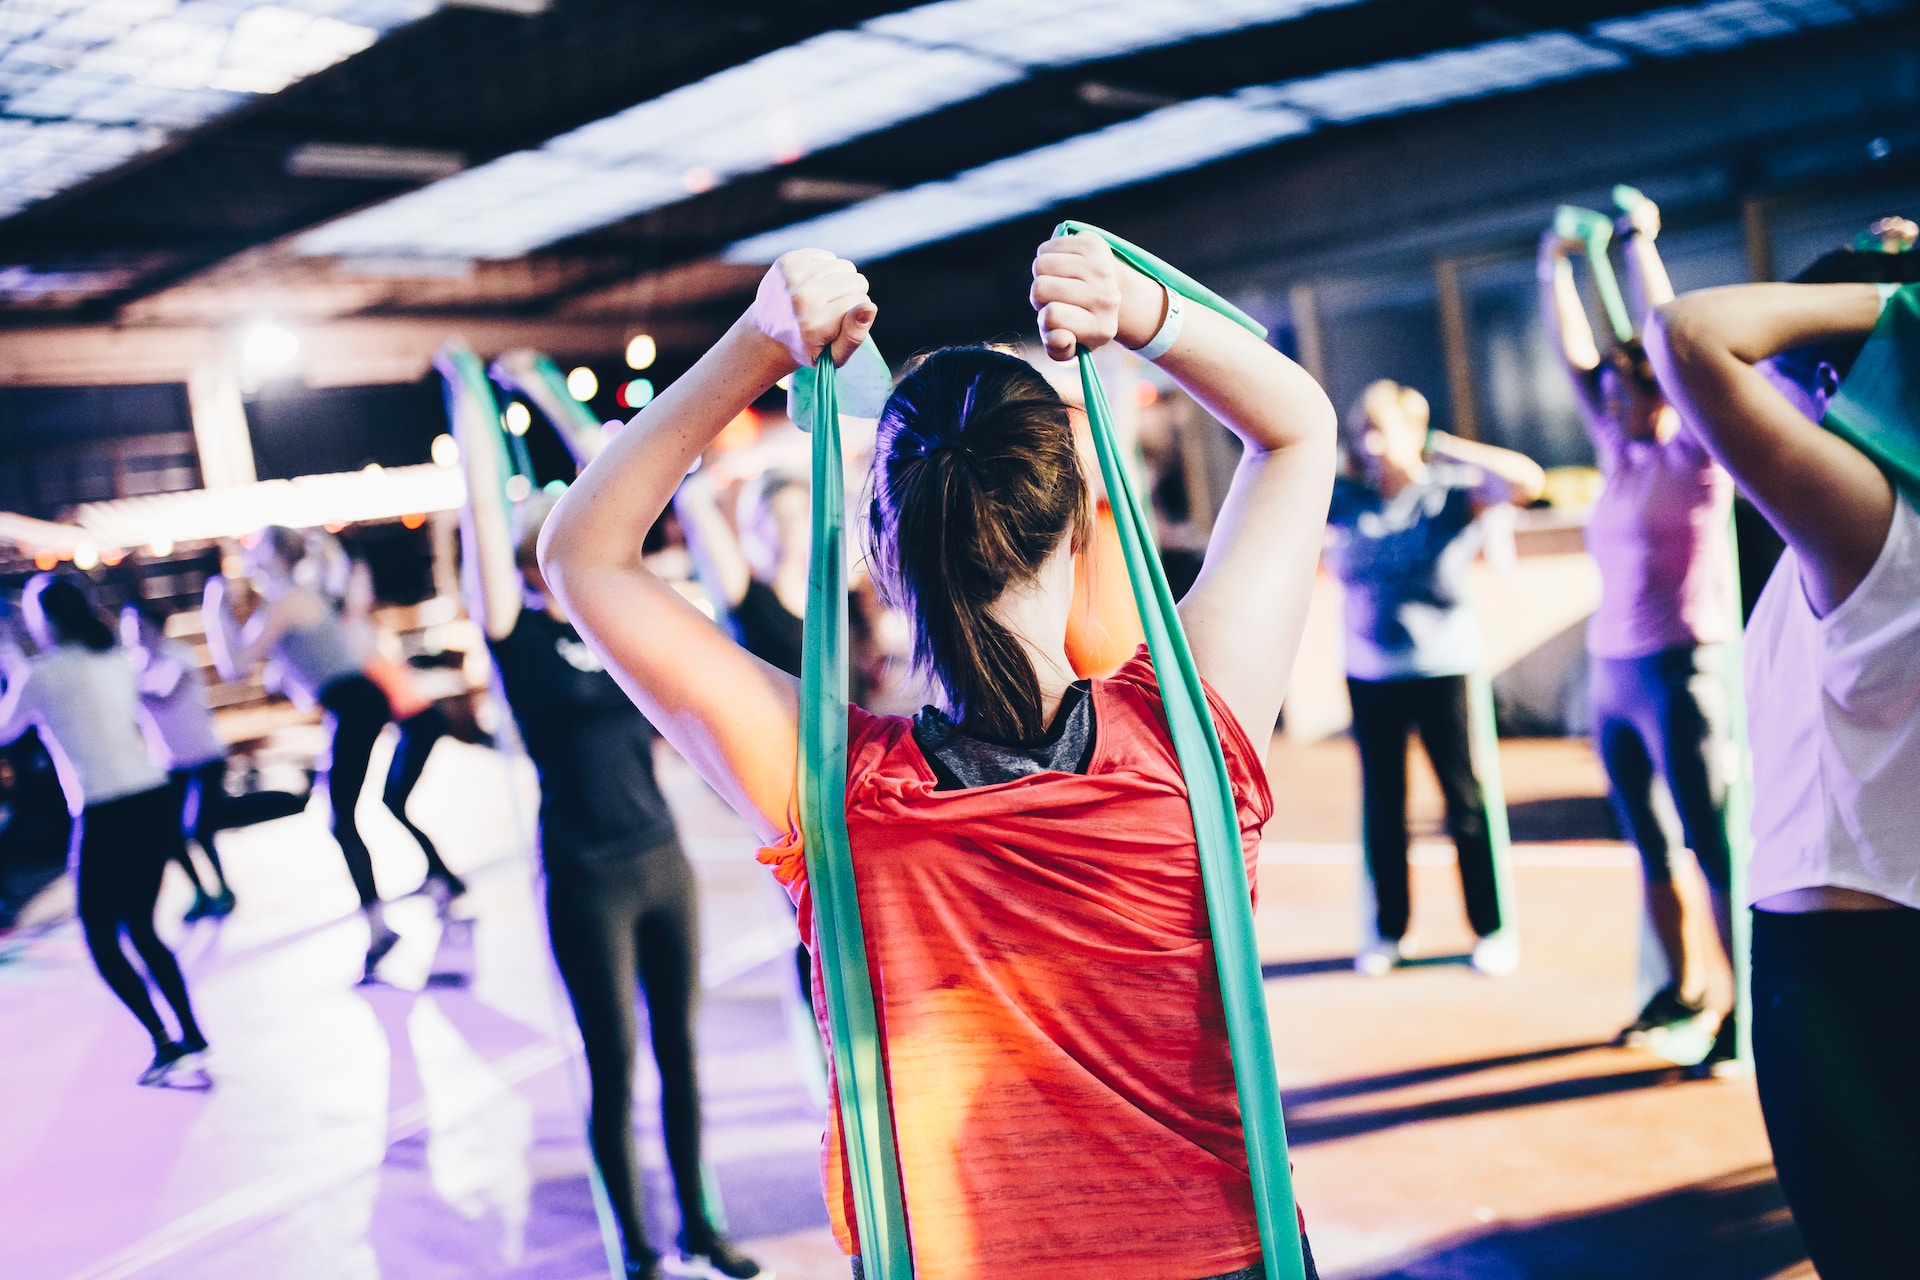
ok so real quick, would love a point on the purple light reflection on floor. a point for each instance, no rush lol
(431, 1128)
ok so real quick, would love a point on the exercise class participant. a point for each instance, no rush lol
(79, 692)
(621, 903)
(1833, 710)
(177, 721)
(304, 634)
(760, 574)
(1657, 643)
(1403, 530)
(1062, 1087)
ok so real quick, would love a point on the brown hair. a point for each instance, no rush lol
(975, 481)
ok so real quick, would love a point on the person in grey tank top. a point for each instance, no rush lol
(302, 630)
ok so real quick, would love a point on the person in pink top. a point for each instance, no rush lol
(1657, 643)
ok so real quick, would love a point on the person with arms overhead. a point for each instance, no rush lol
(1403, 530)
(80, 693)
(622, 909)
(1658, 641)
(1833, 713)
(1025, 851)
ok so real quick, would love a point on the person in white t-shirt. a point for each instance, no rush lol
(1833, 693)
(177, 721)
(79, 693)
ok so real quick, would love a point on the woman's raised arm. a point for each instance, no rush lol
(1246, 611)
(734, 717)
(1827, 499)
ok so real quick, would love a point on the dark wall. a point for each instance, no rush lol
(303, 431)
(65, 445)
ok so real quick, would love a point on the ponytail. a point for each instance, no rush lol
(67, 605)
(976, 480)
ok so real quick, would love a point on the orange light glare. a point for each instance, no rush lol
(1145, 393)
(45, 561)
(413, 520)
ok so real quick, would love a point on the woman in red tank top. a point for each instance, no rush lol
(1037, 935)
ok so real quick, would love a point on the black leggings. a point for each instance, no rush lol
(1665, 716)
(358, 711)
(123, 847)
(1384, 713)
(615, 924)
(1836, 1039)
(197, 794)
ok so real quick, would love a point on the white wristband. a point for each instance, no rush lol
(1162, 342)
(1886, 293)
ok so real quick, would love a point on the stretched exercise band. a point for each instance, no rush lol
(865, 1112)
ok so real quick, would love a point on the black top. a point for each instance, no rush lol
(592, 747)
(767, 630)
(961, 759)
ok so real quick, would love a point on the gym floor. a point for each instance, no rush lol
(1444, 1125)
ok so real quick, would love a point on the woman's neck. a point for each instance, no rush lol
(1035, 614)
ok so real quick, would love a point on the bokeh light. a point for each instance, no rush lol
(446, 450)
(637, 394)
(519, 418)
(641, 351)
(582, 384)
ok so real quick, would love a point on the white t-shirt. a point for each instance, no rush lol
(84, 704)
(175, 715)
(1833, 712)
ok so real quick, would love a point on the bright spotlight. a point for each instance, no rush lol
(519, 418)
(446, 450)
(641, 351)
(267, 346)
(160, 547)
(85, 556)
(518, 487)
(582, 385)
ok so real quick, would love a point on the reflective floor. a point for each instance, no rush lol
(1444, 1125)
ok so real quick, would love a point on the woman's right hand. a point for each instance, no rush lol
(810, 298)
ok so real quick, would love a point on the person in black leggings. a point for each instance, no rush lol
(303, 633)
(80, 693)
(621, 905)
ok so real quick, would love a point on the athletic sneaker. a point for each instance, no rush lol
(165, 1058)
(1495, 955)
(384, 941)
(1666, 1009)
(443, 886)
(713, 1259)
(1723, 1059)
(1378, 958)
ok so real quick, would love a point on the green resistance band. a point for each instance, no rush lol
(1216, 825)
(1595, 230)
(1877, 409)
(866, 1112)
(471, 392)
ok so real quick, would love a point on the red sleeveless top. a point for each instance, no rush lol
(1050, 1014)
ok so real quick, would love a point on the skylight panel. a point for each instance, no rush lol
(1497, 67)
(1723, 25)
(1068, 31)
(807, 97)
(785, 104)
(1163, 142)
(159, 66)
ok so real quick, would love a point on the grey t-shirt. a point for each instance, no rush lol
(1404, 563)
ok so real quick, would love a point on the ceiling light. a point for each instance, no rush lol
(372, 163)
(267, 346)
(641, 351)
(446, 450)
(518, 418)
(582, 385)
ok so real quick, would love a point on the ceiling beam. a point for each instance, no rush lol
(337, 353)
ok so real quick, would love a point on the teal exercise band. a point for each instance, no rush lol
(866, 1111)
(1223, 869)
(866, 1122)
(1595, 230)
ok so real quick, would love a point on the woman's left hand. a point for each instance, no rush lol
(1086, 297)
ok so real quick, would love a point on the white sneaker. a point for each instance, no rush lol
(1496, 955)
(1377, 958)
